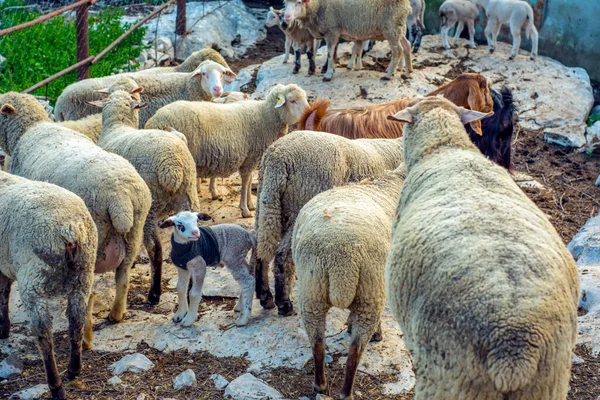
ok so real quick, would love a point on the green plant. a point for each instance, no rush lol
(592, 119)
(37, 52)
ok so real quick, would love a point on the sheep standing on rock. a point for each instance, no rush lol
(161, 158)
(48, 246)
(355, 20)
(461, 11)
(293, 170)
(340, 243)
(514, 13)
(193, 249)
(225, 138)
(485, 291)
(116, 196)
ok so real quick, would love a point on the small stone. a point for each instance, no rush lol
(328, 358)
(185, 379)
(11, 367)
(115, 381)
(577, 360)
(141, 396)
(135, 363)
(248, 387)
(219, 381)
(568, 136)
(33, 393)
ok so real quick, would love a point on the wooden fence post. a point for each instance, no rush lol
(82, 41)
(180, 24)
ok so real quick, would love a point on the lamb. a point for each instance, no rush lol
(224, 138)
(114, 193)
(293, 170)
(467, 90)
(162, 159)
(357, 20)
(193, 249)
(416, 23)
(515, 14)
(48, 246)
(484, 289)
(190, 63)
(461, 11)
(160, 90)
(230, 97)
(340, 253)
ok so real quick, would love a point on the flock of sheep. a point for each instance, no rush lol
(410, 199)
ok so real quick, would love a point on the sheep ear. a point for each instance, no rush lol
(229, 76)
(196, 74)
(280, 101)
(137, 106)
(137, 90)
(402, 116)
(8, 109)
(103, 91)
(97, 103)
(167, 223)
(473, 118)
(203, 217)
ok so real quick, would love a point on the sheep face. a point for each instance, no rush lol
(186, 224)
(272, 18)
(294, 9)
(214, 76)
(291, 102)
(18, 112)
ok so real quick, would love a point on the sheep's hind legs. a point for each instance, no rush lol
(284, 276)
(261, 273)
(4, 301)
(77, 313)
(154, 249)
(212, 188)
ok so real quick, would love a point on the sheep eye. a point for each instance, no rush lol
(293, 101)
(181, 227)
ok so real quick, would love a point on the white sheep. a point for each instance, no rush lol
(484, 289)
(293, 170)
(225, 138)
(190, 63)
(162, 159)
(355, 20)
(115, 194)
(48, 246)
(159, 90)
(514, 13)
(340, 243)
(416, 23)
(230, 97)
(193, 249)
(461, 11)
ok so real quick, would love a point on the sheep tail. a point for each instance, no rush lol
(342, 295)
(313, 115)
(513, 363)
(269, 226)
(170, 177)
(121, 215)
(530, 23)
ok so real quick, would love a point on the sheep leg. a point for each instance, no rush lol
(394, 43)
(314, 314)
(197, 268)
(407, 55)
(516, 34)
(444, 31)
(88, 334)
(311, 62)
(297, 61)
(122, 284)
(212, 188)
(471, 26)
(284, 275)
(249, 201)
(5, 284)
(489, 31)
(356, 48)
(355, 352)
(459, 29)
(242, 275)
(418, 34)
(77, 313)
(534, 41)
(324, 67)
(246, 179)
(332, 42)
(263, 291)
(183, 279)
(154, 249)
(288, 45)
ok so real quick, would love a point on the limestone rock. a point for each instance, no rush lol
(11, 367)
(577, 360)
(248, 387)
(592, 133)
(115, 381)
(585, 246)
(185, 379)
(135, 363)
(33, 393)
(568, 136)
(219, 381)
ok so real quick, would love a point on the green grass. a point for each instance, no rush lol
(40, 51)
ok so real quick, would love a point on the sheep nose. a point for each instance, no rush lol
(288, 18)
(217, 91)
(196, 234)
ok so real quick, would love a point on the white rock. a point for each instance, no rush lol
(328, 358)
(185, 379)
(33, 393)
(568, 136)
(165, 45)
(135, 363)
(585, 245)
(143, 57)
(592, 133)
(11, 367)
(115, 381)
(220, 381)
(526, 181)
(248, 387)
(577, 360)
(402, 386)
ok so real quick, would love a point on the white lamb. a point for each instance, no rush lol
(461, 11)
(516, 14)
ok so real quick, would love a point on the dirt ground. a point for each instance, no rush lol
(570, 199)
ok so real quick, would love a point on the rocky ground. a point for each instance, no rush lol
(273, 349)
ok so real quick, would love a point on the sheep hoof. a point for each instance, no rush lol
(385, 78)
(242, 320)
(153, 298)
(4, 331)
(116, 317)
(320, 388)
(377, 337)
(267, 303)
(188, 320)
(532, 58)
(295, 71)
(326, 79)
(472, 46)
(286, 309)
(247, 214)
(86, 344)
(58, 393)
(511, 58)
(491, 51)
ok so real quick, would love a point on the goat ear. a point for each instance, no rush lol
(166, 223)
(229, 76)
(137, 90)
(203, 217)
(102, 91)
(280, 101)
(8, 109)
(97, 103)
(402, 116)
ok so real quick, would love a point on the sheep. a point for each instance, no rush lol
(224, 138)
(160, 90)
(340, 251)
(461, 11)
(114, 193)
(357, 20)
(416, 23)
(190, 63)
(515, 14)
(293, 170)
(90, 126)
(162, 160)
(467, 90)
(48, 246)
(484, 289)
(193, 249)
(230, 97)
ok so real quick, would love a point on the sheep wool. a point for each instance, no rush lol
(293, 170)
(340, 243)
(48, 246)
(114, 193)
(484, 289)
(190, 63)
